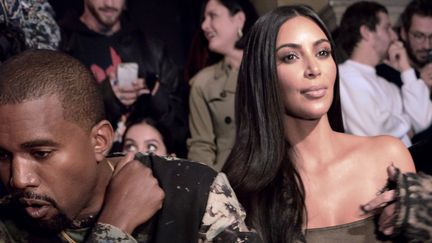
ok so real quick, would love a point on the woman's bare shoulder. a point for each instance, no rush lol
(379, 151)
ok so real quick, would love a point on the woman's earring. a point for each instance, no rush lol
(240, 33)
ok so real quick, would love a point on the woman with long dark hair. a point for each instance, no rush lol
(294, 170)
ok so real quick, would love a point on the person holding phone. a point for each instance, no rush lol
(134, 71)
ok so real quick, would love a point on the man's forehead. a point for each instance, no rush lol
(421, 23)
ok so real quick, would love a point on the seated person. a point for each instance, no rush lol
(147, 136)
(61, 186)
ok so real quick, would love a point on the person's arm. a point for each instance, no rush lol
(415, 92)
(224, 218)
(132, 198)
(407, 208)
(364, 111)
(201, 145)
(426, 75)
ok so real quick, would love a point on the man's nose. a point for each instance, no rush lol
(23, 174)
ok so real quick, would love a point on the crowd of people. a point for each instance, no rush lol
(265, 137)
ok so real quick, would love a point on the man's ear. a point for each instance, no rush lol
(365, 32)
(403, 34)
(102, 138)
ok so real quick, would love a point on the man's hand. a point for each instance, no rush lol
(385, 202)
(426, 75)
(398, 57)
(133, 196)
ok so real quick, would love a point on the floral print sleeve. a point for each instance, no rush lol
(224, 218)
(109, 234)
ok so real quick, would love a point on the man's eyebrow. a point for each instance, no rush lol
(298, 46)
(39, 143)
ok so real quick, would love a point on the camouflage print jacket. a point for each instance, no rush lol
(35, 18)
(222, 218)
(413, 218)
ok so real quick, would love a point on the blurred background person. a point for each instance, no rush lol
(104, 39)
(211, 101)
(371, 105)
(416, 33)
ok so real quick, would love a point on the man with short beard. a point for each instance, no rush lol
(372, 106)
(103, 38)
(61, 186)
(416, 33)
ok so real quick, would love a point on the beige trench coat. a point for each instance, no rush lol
(211, 117)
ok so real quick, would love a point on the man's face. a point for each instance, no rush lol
(106, 12)
(48, 163)
(419, 38)
(383, 35)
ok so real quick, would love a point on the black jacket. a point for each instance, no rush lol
(168, 105)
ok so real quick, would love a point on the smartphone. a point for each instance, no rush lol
(127, 73)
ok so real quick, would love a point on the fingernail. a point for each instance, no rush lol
(365, 208)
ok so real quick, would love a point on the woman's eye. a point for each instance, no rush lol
(151, 148)
(289, 58)
(324, 53)
(130, 148)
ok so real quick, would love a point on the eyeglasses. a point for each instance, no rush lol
(420, 37)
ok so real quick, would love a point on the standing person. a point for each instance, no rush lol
(211, 102)
(103, 38)
(371, 105)
(296, 174)
(62, 187)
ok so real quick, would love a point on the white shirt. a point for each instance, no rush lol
(373, 106)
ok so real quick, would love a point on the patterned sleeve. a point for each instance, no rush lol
(36, 20)
(109, 234)
(224, 218)
(414, 207)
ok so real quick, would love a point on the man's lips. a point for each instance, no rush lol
(36, 209)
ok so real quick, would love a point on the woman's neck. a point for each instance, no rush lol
(234, 58)
(312, 142)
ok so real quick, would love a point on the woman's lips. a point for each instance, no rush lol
(315, 92)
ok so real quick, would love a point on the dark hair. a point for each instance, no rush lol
(37, 73)
(259, 167)
(163, 130)
(419, 7)
(356, 15)
(235, 6)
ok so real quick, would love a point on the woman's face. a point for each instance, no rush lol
(220, 28)
(305, 68)
(144, 138)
